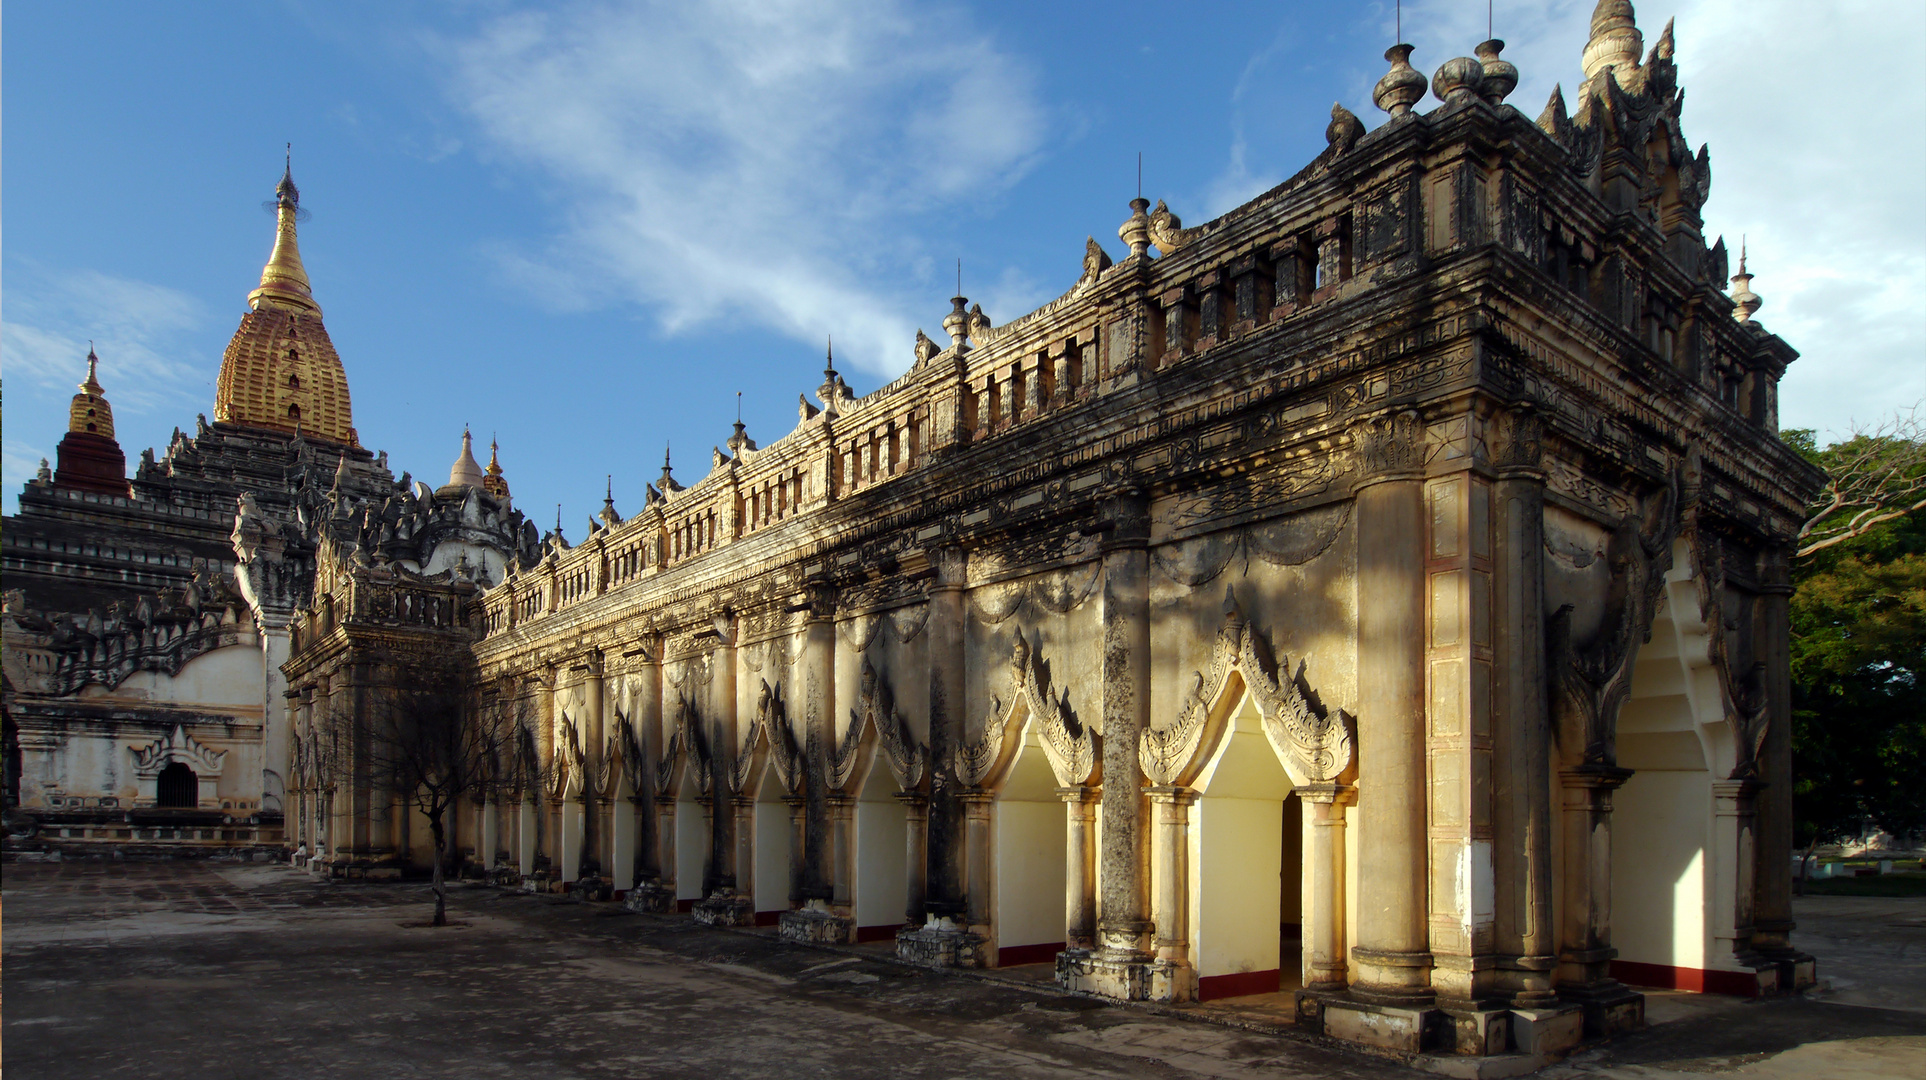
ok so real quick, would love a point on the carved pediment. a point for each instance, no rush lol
(177, 746)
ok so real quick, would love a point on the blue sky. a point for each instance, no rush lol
(587, 226)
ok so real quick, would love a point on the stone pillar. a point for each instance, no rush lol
(818, 678)
(665, 809)
(945, 938)
(1122, 966)
(1523, 820)
(490, 833)
(978, 808)
(722, 742)
(1734, 881)
(916, 814)
(798, 812)
(645, 683)
(1458, 673)
(525, 835)
(1325, 969)
(1080, 867)
(842, 853)
(1585, 922)
(592, 752)
(1170, 888)
(1772, 912)
(745, 807)
(1392, 957)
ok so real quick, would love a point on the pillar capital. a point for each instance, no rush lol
(1332, 793)
(1595, 777)
(1171, 794)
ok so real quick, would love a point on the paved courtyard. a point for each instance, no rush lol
(191, 969)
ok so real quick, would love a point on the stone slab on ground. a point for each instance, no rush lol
(193, 969)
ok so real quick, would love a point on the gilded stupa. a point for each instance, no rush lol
(280, 371)
(90, 459)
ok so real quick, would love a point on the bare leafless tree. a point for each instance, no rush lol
(426, 737)
(1875, 476)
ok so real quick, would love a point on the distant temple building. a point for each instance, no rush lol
(1378, 592)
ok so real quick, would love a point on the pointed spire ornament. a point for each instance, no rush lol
(1501, 76)
(1745, 302)
(284, 281)
(1402, 86)
(1615, 42)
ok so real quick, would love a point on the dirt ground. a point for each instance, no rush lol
(208, 970)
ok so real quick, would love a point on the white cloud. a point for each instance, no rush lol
(759, 161)
(1813, 118)
(137, 328)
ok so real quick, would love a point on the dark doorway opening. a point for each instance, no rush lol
(178, 786)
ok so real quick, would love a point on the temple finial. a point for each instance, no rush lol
(1615, 41)
(284, 281)
(1745, 302)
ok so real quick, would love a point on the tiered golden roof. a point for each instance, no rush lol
(90, 413)
(280, 370)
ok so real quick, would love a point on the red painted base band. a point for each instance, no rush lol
(686, 906)
(769, 918)
(1028, 954)
(1211, 987)
(886, 932)
(1693, 980)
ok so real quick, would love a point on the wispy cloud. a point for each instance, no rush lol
(1824, 183)
(138, 329)
(728, 160)
(141, 331)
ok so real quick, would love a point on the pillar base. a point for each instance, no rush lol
(1126, 975)
(725, 908)
(816, 924)
(1610, 1008)
(1394, 1028)
(940, 943)
(651, 896)
(1548, 1032)
(1798, 972)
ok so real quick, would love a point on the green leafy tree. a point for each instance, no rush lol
(1858, 615)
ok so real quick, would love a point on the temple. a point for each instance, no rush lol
(1377, 593)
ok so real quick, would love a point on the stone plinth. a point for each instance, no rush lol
(1126, 976)
(817, 925)
(1384, 1027)
(725, 909)
(940, 943)
(652, 897)
(1611, 1009)
(1547, 1033)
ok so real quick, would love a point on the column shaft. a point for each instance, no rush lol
(1392, 955)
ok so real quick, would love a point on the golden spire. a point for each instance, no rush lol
(493, 481)
(284, 281)
(90, 413)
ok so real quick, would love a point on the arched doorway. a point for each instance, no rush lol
(177, 786)
(1243, 827)
(882, 827)
(1031, 860)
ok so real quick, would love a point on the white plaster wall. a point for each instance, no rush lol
(882, 886)
(1660, 822)
(772, 851)
(231, 681)
(1236, 858)
(1030, 875)
(691, 842)
(1236, 852)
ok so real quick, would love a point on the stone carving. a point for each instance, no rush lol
(178, 746)
(1095, 261)
(1070, 747)
(773, 719)
(1387, 445)
(1344, 130)
(1167, 229)
(877, 708)
(1742, 690)
(1315, 747)
(1591, 680)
